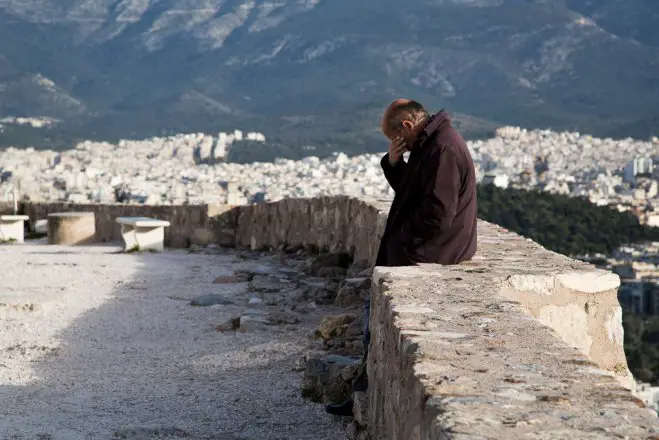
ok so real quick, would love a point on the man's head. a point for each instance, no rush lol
(403, 118)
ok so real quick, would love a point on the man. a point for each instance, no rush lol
(434, 212)
(433, 216)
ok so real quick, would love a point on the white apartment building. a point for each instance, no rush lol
(636, 166)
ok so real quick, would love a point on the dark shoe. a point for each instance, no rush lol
(342, 409)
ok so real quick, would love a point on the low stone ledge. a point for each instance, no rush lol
(576, 300)
(451, 357)
(328, 223)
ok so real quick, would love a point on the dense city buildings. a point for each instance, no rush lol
(192, 168)
(638, 268)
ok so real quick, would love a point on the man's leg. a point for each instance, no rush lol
(361, 381)
(366, 330)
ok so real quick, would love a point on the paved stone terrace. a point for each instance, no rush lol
(100, 345)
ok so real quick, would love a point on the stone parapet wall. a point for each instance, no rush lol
(329, 223)
(190, 224)
(6, 208)
(451, 357)
(520, 342)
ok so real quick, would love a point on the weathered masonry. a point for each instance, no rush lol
(520, 342)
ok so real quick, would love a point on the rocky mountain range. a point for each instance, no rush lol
(319, 71)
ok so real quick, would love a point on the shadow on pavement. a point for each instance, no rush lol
(140, 362)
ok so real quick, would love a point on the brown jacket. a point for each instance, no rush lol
(434, 213)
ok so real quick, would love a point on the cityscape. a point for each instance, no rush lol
(192, 169)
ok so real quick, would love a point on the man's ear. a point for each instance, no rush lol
(408, 125)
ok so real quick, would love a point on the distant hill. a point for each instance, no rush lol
(319, 72)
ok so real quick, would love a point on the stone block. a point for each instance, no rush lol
(265, 284)
(71, 228)
(353, 291)
(143, 233)
(334, 326)
(202, 236)
(253, 320)
(12, 228)
(324, 381)
(581, 307)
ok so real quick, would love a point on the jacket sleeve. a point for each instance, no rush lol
(440, 199)
(393, 174)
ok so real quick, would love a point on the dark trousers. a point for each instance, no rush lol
(361, 381)
(367, 332)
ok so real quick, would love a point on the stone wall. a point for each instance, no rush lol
(519, 342)
(6, 208)
(190, 224)
(451, 354)
(329, 223)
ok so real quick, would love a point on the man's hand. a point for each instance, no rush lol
(396, 150)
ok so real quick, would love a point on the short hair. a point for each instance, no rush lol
(408, 111)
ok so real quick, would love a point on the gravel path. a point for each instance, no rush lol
(100, 345)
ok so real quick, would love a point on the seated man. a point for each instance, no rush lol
(434, 213)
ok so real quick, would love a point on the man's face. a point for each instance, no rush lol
(406, 132)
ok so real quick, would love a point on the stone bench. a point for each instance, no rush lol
(143, 233)
(71, 228)
(41, 226)
(12, 228)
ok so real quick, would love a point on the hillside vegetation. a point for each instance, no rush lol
(567, 225)
(642, 346)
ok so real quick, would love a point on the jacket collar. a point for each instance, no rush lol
(435, 122)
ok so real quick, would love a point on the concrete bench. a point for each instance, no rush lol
(143, 233)
(41, 226)
(71, 228)
(12, 228)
